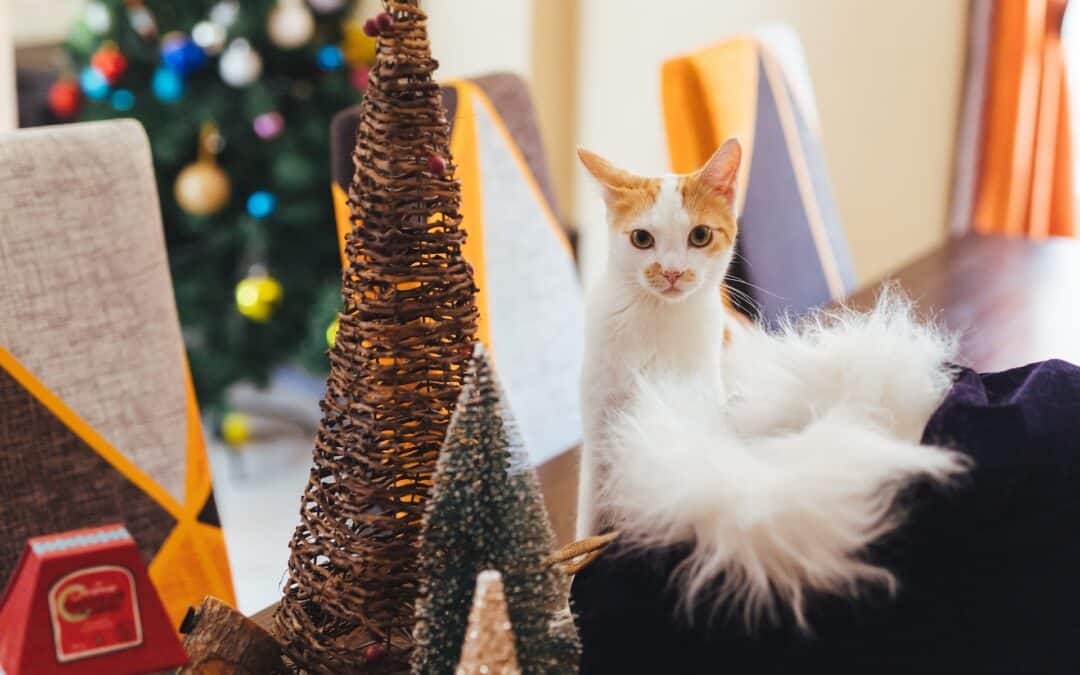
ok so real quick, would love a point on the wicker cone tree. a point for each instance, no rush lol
(489, 639)
(396, 370)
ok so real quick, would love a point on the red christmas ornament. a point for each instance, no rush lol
(110, 63)
(65, 98)
(359, 77)
(436, 165)
(371, 28)
(384, 21)
(374, 653)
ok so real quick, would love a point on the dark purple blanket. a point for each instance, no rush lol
(989, 570)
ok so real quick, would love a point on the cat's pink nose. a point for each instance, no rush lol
(672, 276)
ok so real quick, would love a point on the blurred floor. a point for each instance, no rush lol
(258, 492)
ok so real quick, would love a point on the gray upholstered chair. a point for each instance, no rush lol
(98, 419)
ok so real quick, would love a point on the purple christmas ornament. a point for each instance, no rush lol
(269, 125)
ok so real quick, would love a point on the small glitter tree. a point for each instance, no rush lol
(489, 639)
(396, 370)
(486, 513)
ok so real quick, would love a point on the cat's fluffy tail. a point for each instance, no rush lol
(780, 478)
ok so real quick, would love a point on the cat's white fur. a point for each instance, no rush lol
(630, 329)
(782, 477)
(778, 456)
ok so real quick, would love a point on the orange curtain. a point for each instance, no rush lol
(1025, 185)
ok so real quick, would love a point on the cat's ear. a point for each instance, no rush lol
(720, 171)
(606, 173)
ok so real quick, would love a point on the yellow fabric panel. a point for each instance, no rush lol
(342, 217)
(197, 479)
(708, 97)
(463, 148)
(186, 569)
(209, 541)
(689, 129)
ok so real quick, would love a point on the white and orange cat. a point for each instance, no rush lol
(658, 303)
(777, 456)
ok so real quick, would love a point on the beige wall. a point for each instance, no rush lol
(887, 78)
(536, 39)
(470, 37)
(41, 21)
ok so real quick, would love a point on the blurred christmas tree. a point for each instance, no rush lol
(237, 100)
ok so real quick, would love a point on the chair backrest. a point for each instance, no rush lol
(98, 419)
(793, 252)
(531, 306)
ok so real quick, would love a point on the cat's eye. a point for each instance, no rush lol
(700, 236)
(641, 239)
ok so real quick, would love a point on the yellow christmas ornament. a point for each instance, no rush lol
(357, 47)
(236, 428)
(258, 296)
(331, 332)
(203, 188)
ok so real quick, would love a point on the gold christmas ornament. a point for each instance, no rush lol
(258, 296)
(202, 188)
(489, 640)
(357, 47)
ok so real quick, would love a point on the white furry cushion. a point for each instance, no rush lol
(780, 476)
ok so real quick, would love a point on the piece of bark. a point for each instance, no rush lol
(221, 641)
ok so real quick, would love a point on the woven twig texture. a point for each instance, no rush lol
(396, 370)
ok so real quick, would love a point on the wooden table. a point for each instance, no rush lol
(1012, 302)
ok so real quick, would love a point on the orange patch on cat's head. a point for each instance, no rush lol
(708, 195)
(626, 195)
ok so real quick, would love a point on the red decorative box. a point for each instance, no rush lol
(81, 602)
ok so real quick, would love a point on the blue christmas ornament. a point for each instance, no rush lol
(261, 204)
(167, 85)
(182, 54)
(330, 57)
(93, 84)
(122, 99)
